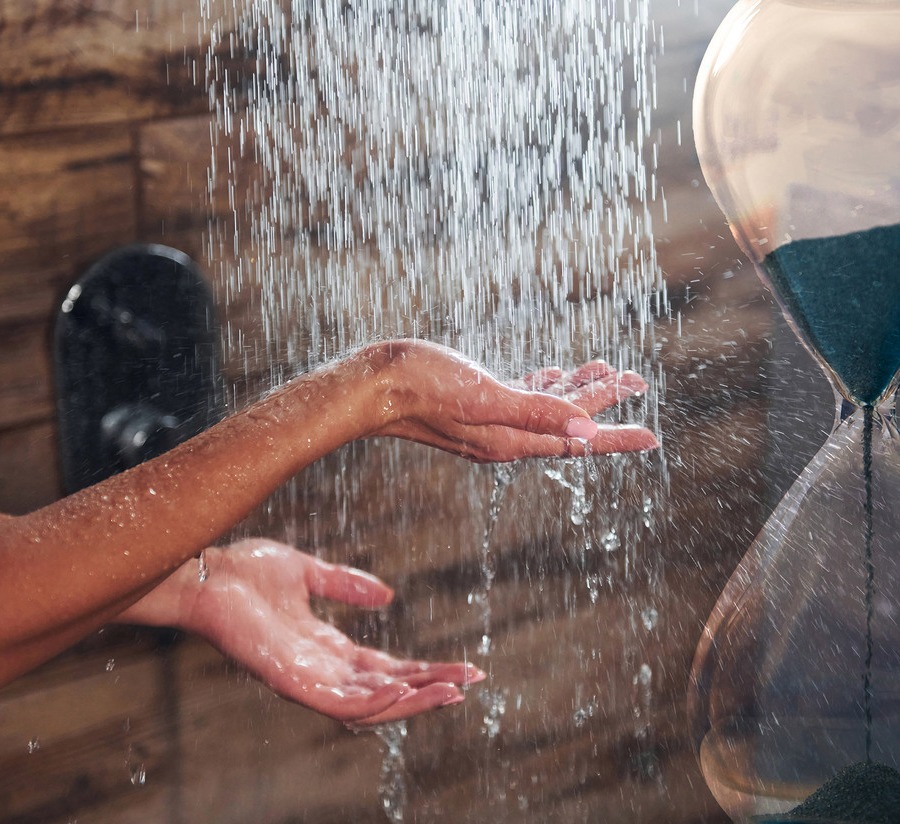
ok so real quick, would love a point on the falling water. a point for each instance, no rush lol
(473, 173)
(477, 174)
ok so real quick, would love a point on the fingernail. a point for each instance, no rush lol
(583, 428)
(454, 699)
(474, 675)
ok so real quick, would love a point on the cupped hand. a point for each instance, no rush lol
(437, 397)
(254, 606)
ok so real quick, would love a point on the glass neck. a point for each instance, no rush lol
(886, 410)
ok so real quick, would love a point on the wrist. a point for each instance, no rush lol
(172, 602)
(376, 370)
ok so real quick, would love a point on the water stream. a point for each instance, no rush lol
(478, 174)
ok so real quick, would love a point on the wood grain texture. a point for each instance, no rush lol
(29, 474)
(101, 62)
(77, 738)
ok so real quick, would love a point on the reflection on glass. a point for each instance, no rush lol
(796, 682)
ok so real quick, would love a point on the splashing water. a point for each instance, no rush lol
(137, 773)
(392, 788)
(478, 174)
(202, 568)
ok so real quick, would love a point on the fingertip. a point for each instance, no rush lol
(583, 428)
(432, 697)
(633, 382)
(350, 586)
(452, 700)
(623, 438)
(371, 592)
(446, 695)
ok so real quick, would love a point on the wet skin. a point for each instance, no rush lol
(132, 540)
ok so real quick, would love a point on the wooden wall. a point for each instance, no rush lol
(104, 140)
(92, 96)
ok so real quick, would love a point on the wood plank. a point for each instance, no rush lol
(66, 197)
(616, 755)
(175, 157)
(104, 61)
(178, 209)
(26, 391)
(29, 471)
(99, 737)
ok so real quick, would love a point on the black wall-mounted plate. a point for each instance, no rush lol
(137, 362)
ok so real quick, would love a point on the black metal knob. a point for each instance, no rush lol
(136, 432)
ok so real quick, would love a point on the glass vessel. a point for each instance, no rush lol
(795, 689)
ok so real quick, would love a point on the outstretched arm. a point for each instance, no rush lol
(74, 565)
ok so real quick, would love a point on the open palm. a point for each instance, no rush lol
(254, 606)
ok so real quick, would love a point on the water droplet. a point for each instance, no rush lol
(644, 676)
(583, 714)
(110, 664)
(610, 541)
(392, 786)
(138, 775)
(593, 583)
(202, 567)
(33, 745)
(649, 618)
(494, 704)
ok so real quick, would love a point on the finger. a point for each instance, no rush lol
(419, 673)
(348, 704)
(535, 412)
(612, 438)
(539, 380)
(434, 696)
(347, 584)
(552, 378)
(451, 673)
(600, 395)
(589, 373)
(509, 445)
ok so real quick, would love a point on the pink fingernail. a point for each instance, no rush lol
(455, 699)
(583, 428)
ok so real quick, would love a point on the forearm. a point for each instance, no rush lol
(72, 566)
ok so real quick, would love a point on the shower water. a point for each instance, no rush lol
(477, 174)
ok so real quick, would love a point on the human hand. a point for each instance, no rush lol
(437, 397)
(254, 607)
